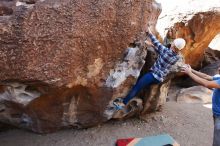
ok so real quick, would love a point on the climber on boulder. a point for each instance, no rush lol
(166, 58)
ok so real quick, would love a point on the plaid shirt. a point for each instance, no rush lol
(167, 57)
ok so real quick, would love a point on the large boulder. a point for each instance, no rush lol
(62, 62)
(70, 42)
(195, 94)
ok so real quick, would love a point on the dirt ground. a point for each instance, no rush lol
(189, 124)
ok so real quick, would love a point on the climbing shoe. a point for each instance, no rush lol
(118, 103)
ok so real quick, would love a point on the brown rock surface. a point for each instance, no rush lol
(63, 61)
(42, 109)
(70, 42)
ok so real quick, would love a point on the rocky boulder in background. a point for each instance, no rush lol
(195, 94)
(195, 21)
(198, 33)
(210, 56)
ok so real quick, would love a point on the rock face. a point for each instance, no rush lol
(62, 62)
(196, 94)
(42, 109)
(70, 42)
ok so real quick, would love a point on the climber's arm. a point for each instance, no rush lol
(158, 46)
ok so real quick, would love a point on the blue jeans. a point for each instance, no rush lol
(216, 136)
(145, 81)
